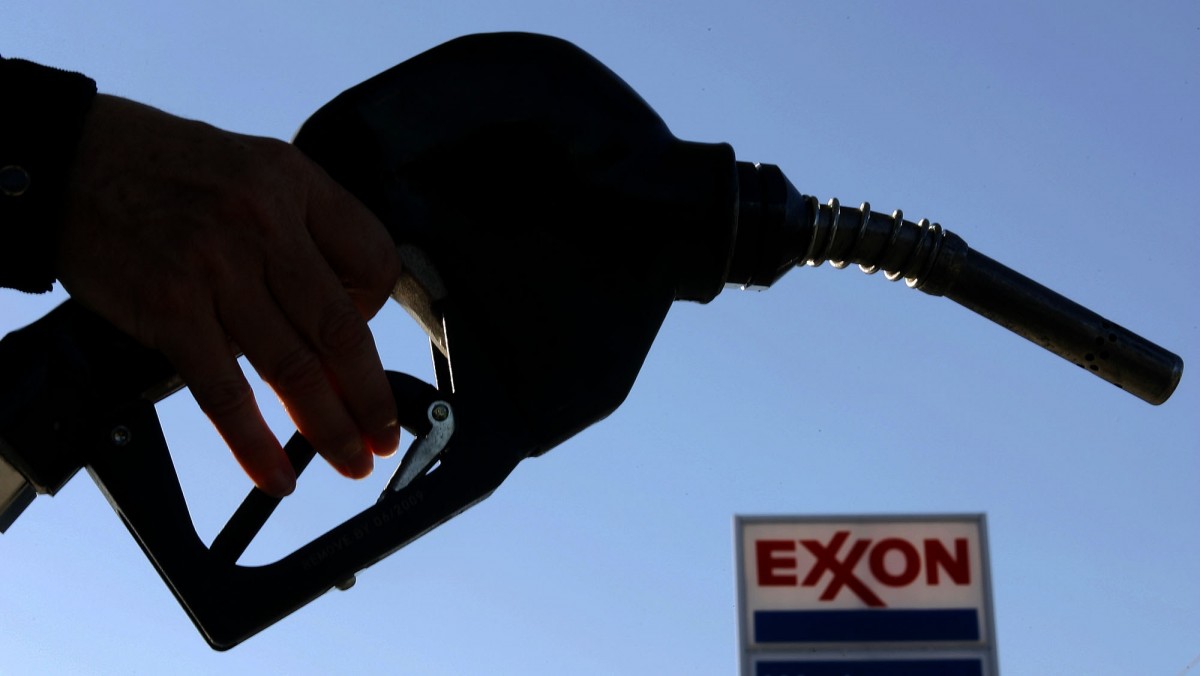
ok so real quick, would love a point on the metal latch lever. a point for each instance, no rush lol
(426, 450)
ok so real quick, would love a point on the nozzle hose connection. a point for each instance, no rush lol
(778, 229)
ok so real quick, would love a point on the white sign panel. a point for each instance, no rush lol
(880, 590)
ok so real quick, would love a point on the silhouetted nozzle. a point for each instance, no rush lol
(778, 228)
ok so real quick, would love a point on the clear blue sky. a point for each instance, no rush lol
(1061, 140)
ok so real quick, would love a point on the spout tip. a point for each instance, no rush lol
(1174, 374)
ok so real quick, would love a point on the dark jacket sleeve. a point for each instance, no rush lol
(41, 118)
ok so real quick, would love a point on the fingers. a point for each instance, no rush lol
(301, 321)
(359, 262)
(188, 237)
(311, 345)
(204, 360)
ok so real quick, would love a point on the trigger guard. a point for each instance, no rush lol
(229, 602)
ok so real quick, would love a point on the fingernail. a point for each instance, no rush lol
(386, 444)
(358, 465)
(281, 484)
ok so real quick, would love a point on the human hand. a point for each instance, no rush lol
(201, 243)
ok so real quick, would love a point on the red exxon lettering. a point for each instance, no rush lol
(957, 568)
(894, 562)
(909, 571)
(769, 564)
(842, 571)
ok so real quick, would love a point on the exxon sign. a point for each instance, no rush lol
(872, 588)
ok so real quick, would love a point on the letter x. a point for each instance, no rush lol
(842, 571)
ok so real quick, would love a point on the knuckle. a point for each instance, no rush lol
(298, 372)
(342, 448)
(386, 270)
(224, 398)
(373, 284)
(259, 214)
(161, 306)
(210, 259)
(281, 153)
(281, 164)
(342, 329)
(335, 442)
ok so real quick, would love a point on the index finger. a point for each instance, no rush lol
(353, 241)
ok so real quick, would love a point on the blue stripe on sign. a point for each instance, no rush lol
(957, 667)
(809, 626)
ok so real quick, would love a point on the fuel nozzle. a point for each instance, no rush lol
(779, 228)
